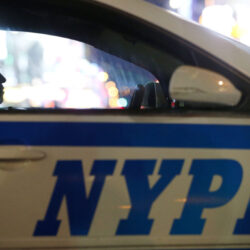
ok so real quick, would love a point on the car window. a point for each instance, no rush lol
(45, 71)
(61, 55)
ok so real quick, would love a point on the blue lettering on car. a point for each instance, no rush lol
(142, 197)
(199, 196)
(81, 209)
(70, 184)
(243, 225)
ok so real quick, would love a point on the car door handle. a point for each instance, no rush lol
(20, 154)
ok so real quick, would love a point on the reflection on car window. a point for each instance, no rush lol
(45, 71)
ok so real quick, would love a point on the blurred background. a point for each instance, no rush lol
(45, 71)
(228, 17)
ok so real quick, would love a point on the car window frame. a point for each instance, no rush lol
(128, 26)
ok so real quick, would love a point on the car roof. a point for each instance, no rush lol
(226, 49)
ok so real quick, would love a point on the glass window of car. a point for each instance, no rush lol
(45, 71)
(65, 55)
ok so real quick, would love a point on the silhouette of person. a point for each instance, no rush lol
(2, 80)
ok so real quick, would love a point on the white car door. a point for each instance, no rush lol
(94, 151)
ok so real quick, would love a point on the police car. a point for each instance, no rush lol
(123, 127)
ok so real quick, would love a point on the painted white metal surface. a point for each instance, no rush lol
(27, 191)
(229, 51)
(26, 188)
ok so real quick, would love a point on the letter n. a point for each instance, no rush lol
(70, 185)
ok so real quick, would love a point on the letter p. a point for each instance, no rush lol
(199, 196)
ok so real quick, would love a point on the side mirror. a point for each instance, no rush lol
(193, 84)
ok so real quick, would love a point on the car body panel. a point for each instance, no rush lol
(129, 180)
(27, 190)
